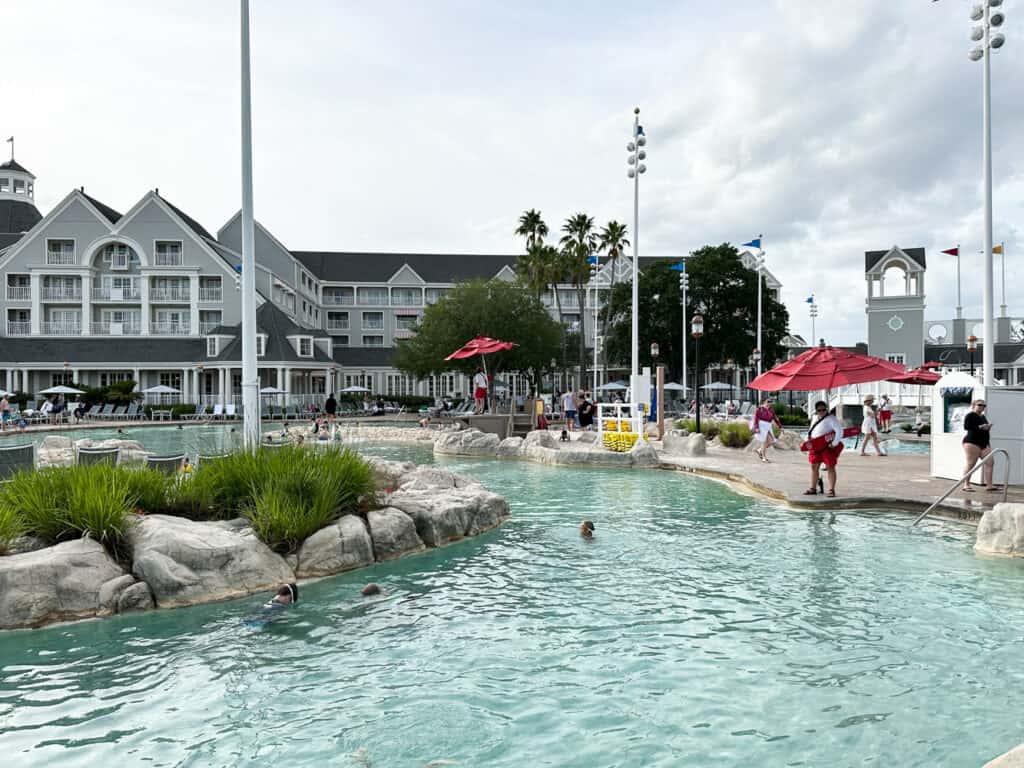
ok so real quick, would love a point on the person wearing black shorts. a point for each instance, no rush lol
(330, 407)
(977, 445)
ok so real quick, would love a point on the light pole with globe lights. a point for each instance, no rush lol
(813, 311)
(697, 330)
(684, 284)
(595, 268)
(972, 347)
(637, 154)
(989, 42)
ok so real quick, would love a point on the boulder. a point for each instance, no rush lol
(393, 533)
(25, 544)
(137, 597)
(642, 454)
(111, 591)
(1001, 530)
(678, 443)
(54, 584)
(431, 478)
(55, 451)
(586, 437)
(339, 547)
(468, 442)
(187, 562)
(540, 437)
(442, 517)
(509, 447)
(386, 474)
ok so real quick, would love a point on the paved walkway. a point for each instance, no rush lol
(897, 481)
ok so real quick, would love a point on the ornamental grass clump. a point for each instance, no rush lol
(735, 434)
(149, 488)
(11, 528)
(36, 499)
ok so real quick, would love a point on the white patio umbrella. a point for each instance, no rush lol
(271, 391)
(61, 390)
(717, 386)
(613, 385)
(355, 388)
(161, 389)
(673, 387)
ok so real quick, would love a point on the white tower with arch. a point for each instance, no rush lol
(895, 304)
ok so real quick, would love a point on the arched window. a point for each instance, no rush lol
(894, 280)
(118, 257)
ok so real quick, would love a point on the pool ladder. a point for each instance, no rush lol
(990, 458)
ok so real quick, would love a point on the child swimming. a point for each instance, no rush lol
(287, 594)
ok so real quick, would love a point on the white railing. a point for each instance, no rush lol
(61, 294)
(372, 326)
(372, 300)
(169, 294)
(404, 333)
(206, 327)
(211, 294)
(116, 294)
(337, 326)
(406, 299)
(168, 259)
(60, 259)
(115, 329)
(170, 329)
(338, 300)
(48, 328)
(19, 293)
(18, 328)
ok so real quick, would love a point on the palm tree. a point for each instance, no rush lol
(532, 267)
(612, 242)
(578, 244)
(552, 273)
(532, 227)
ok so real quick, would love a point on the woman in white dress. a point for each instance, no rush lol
(869, 426)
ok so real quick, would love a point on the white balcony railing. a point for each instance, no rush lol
(337, 326)
(206, 327)
(18, 328)
(169, 294)
(115, 329)
(170, 329)
(19, 293)
(61, 294)
(373, 299)
(404, 333)
(338, 300)
(116, 294)
(60, 329)
(61, 258)
(211, 294)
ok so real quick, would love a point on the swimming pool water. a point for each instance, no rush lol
(699, 628)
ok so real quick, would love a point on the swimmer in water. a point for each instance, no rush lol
(587, 529)
(370, 590)
(287, 594)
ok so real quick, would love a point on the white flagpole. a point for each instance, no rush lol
(250, 376)
(1002, 257)
(959, 305)
(760, 270)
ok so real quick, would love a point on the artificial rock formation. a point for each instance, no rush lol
(677, 442)
(1001, 530)
(467, 442)
(341, 546)
(393, 533)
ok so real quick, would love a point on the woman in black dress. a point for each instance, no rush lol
(977, 445)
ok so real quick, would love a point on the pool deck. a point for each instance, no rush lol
(864, 482)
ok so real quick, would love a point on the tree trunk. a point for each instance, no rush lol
(561, 325)
(581, 292)
(604, 321)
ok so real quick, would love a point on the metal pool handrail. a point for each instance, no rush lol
(991, 457)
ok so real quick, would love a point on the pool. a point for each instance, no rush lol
(699, 628)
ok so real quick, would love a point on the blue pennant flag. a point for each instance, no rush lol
(639, 130)
(809, 299)
(591, 259)
(680, 267)
(755, 243)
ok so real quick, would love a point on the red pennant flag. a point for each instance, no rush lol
(953, 251)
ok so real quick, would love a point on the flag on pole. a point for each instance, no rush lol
(591, 259)
(953, 251)
(10, 140)
(998, 248)
(639, 130)
(809, 299)
(680, 267)
(755, 243)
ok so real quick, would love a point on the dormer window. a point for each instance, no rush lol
(261, 344)
(305, 346)
(211, 346)
(168, 253)
(60, 252)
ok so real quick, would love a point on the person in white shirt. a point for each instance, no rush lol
(826, 440)
(479, 391)
(569, 410)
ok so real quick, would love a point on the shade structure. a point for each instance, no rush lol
(271, 391)
(355, 388)
(673, 387)
(921, 376)
(825, 368)
(481, 345)
(161, 389)
(61, 390)
(717, 386)
(613, 385)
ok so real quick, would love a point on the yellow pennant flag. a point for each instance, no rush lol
(997, 248)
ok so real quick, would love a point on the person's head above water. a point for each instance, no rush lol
(287, 594)
(587, 529)
(371, 589)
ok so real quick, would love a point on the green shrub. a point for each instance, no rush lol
(908, 427)
(148, 488)
(708, 427)
(794, 419)
(735, 434)
(11, 527)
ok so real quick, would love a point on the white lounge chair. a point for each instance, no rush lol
(229, 411)
(218, 412)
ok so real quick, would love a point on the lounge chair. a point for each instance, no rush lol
(106, 413)
(88, 456)
(229, 411)
(169, 465)
(200, 460)
(93, 412)
(218, 412)
(118, 412)
(197, 416)
(131, 413)
(291, 413)
(15, 458)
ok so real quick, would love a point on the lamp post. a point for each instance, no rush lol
(636, 168)
(730, 368)
(697, 330)
(250, 375)
(760, 272)
(684, 283)
(983, 52)
(972, 346)
(755, 358)
(595, 268)
(813, 311)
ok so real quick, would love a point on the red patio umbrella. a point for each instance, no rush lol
(825, 368)
(921, 376)
(481, 345)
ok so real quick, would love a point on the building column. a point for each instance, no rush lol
(184, 385)
(37, 305)
(144, 297)
(193, 292)
(287, 385)
(86, 304)
(223, 375)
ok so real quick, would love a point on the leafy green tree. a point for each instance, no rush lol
(721, 289)
(579, 242)
(495, 308)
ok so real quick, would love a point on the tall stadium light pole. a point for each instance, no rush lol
(989, 42)
(250, 377)
(814, 316)
(595, 269)
(636, 167)
(684, 283)
(760, 273)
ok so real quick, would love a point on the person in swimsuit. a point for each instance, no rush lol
(977, 445)
(287, 595)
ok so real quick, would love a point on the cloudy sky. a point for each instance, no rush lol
(832, 127)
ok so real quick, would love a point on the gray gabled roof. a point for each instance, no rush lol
(364, 357)
(278, 327)
(109, 213)
(84, 350)
(871, 258)
(363, 267)
(14, 165)
(194, 225)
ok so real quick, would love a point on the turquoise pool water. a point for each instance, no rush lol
(699, 628)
